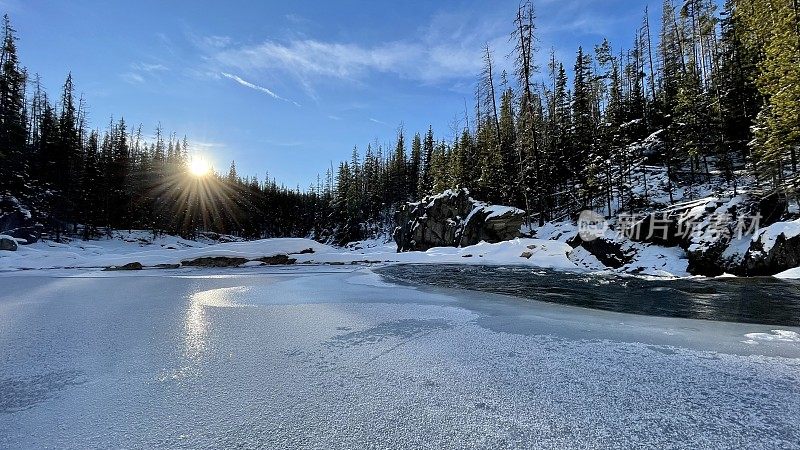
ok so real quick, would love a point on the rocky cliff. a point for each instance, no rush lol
(454, 219)
(746, 235)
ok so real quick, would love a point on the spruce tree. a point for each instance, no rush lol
(14, 169)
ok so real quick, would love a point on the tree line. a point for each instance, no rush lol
(86, 182)
(712, 94)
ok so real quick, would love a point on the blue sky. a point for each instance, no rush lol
(289, 87)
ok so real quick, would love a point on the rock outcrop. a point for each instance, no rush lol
(231, 261)
(454, 219)
(129, 266)
(773, 250)
(740, 236)
(611, 252)
(214, 261)
(8, 243)
(17, 221)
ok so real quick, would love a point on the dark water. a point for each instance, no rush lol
(765, 301)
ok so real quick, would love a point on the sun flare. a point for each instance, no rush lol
(199, 167)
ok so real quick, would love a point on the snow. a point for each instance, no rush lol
(169, 250)
(500, 211)
(242, 361)
(548, 249)
(657, 261)
(547, 254)
(737, 249)
(791, 274)
(769, 235)
(164, 250)
(774, 335)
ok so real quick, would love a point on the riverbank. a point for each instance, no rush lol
(138, 249)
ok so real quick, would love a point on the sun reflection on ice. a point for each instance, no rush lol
(196, 324)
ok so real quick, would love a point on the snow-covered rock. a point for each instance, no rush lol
(17, 221)
(773, 250)
(454, 219)
(8, 243)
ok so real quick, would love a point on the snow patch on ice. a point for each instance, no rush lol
(775, 335)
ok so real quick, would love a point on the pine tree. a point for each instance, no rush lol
(740, 100)
(14, 169)
(508, 148)
(233, 176)
(398, 171)
(582, 163)
(415, 167)
(778, 81)
(528, 149)
(426, 181)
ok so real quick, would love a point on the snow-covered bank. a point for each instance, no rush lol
(140, 247)
(549, 250)
(169, 250)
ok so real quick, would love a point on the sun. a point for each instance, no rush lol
(199, 167)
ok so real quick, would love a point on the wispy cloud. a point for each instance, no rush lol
(140, 72)
(149, 67)
(256, 87)
(447, 48)
(313, 58)
(371, 119)
(132, 78)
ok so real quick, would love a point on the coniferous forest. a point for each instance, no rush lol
(714, 92)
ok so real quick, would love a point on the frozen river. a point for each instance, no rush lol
(338, 358)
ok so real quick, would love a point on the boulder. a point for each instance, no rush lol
(718, 234)
(218, 261)
(771, 208)
(492, 224)
(610, 252)
(661, 228)
(228, 261)
(129, 266)
(454, 219)
(8, 243)
(277, 260)
(17, 221)
(726, 237)
(434, 222)
(774, 250)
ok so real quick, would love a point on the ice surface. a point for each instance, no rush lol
(331, 357)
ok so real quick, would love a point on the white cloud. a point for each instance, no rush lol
(140, 72)
(149, 67)
(132, 78)
(377, 121)
(448, 48)
(258, 88)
